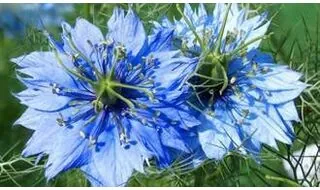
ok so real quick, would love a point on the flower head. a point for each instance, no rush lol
(106, 104)
(242, 97)
(256, 107)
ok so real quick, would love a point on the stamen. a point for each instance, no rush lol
(129, 66)
(197, 94)
(124, 140)
(157, 113)
(61, 122)
(265, 70)
(82, 134)
(141, 76)
(233, 80)
(98, 105)
(210, 113)
(143, 121)
(55, 88)
(92, 140)
(174, 122)
(147, 162)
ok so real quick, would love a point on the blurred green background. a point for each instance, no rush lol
(296, 42)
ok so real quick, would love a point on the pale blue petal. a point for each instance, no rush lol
(84, 35)
(127, 30)
(288, 111)
(43, 99)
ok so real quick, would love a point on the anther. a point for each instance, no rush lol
(174, 122)
(141, 76)
(240, 121)
(268, 93)
(143, 121)
(245, 113)
(55, 88)
(124, 141)
(254, 66)
(231, 36)
(210, 113)
(137, 67)
(98, 105)
(265, 70)
(147, 162)
(130, 67)
(92, 140)
(157, 113)
(121, 52)
(82, 134)
(61, 122)
(233, 80)
(107, 42)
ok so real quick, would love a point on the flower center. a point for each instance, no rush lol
(107, 94)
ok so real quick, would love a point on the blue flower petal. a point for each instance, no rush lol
(84, 35)
(127, 30)
(288, 111)
(43, 99)
(111, 164)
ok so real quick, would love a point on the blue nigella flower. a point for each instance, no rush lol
(106, 104)
(243, 98)
(15, 18)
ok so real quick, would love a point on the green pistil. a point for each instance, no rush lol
(146, 91)
(191, 26)
(120, 53)
(60, 62)
(219, 40)
(243, 47)
(75, 49)
(109, 92)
